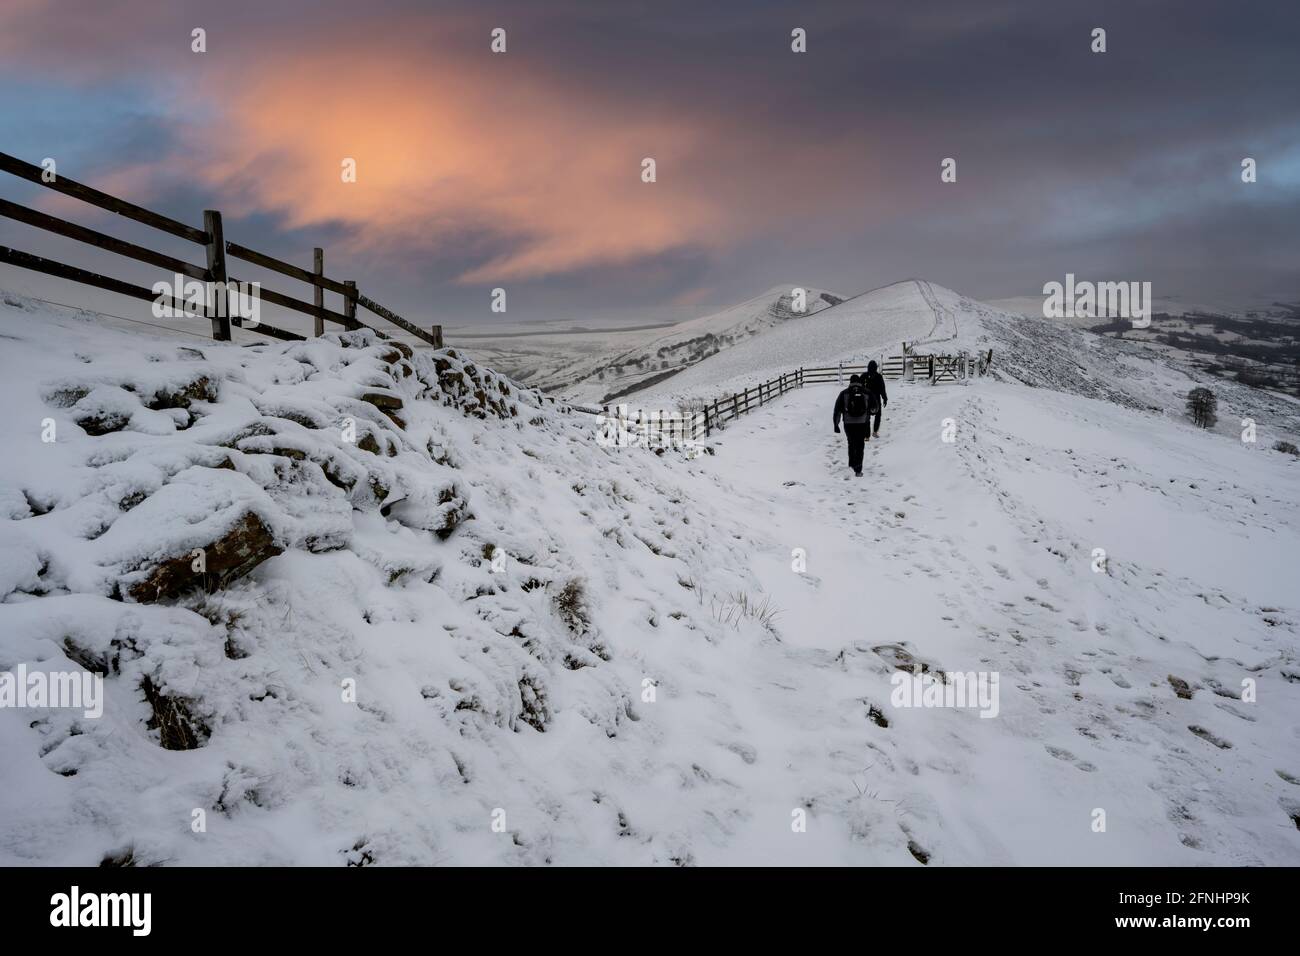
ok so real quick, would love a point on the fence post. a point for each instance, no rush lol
(839, 375)
(436, 331)
(318, 266)
(217, 274)
(350, 304)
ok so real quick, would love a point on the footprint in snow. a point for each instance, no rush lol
(1234, 711)
(1062, 754)
(1118, 679)
(744, 752)
(1210, 737)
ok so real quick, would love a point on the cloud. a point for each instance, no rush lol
(479, 169)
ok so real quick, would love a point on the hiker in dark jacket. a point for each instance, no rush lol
(851, 405)
(874, 383)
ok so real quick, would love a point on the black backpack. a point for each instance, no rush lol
(855, 403)
(874, 386)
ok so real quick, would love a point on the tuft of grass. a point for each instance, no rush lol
(571, 605)
(736, 607)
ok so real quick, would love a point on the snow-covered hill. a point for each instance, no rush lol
(866, 326)
(468, 633)
(598, 367)
(1031, 351)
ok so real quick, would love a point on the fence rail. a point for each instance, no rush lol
(218, 251)
(694, 425)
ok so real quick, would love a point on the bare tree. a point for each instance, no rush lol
(1202, 406)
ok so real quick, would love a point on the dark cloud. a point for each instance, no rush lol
(821, 168)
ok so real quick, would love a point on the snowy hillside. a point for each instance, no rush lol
(597, 367)
(866, 326)
(467, 633)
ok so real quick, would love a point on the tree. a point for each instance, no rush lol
(1202, 406)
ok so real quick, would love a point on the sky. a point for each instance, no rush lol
(522, 170)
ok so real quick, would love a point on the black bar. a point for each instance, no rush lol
(922, 906)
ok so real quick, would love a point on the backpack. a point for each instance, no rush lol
(874, 385)
(855, 403)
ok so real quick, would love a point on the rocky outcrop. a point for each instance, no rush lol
(246, 545)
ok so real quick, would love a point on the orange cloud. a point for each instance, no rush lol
(509, 156)
(443, 148)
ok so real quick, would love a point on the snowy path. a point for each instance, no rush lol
(940, 313)
(976, 555)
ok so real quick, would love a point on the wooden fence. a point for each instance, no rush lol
(215, 273)
(692, 425)
(665, 428)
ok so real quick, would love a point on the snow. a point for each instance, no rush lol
(601, 689)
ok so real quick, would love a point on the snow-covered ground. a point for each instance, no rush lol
(470, 634)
